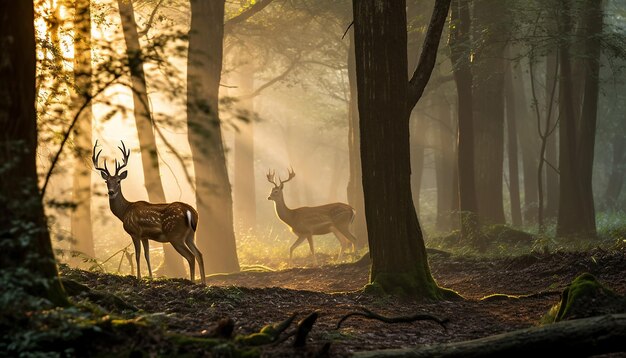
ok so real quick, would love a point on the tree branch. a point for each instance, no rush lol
(429, 52)
(251, 11)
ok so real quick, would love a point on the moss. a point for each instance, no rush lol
(585, 297)
(416, 284)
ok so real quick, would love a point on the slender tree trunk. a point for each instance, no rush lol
(215, 235)
(618, 168)
(551, 157)
(82, 235)
(488, 96)
(444, 166)
(243, 180)
(511, 125)
(172, 261)
(24, 237)
(355, 183)
(459, 43)
(399, 262)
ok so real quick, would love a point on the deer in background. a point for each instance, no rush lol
(317, 220)
(174, 223)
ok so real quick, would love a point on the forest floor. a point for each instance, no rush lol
(255, 299)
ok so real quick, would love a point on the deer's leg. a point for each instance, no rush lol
(188, 255)
(137, 254)
(310, 240)
(196, 252)
(342, 240)
(345, 230)
(146, 249)
(295, 244)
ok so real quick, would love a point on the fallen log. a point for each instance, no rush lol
(579, 338)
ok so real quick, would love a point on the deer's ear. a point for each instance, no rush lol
(104, 175)
(123, 175)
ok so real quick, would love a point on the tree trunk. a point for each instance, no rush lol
(172, 260)
(399, 262)
(576, 211)
(618, 167)
(460, 57)
(244, 183)
(511, 126)
(580, 338)
(444, 166)
(216, 237)
(82, 235)
(24, 237)
(355, 183)
(488, 96)
(552, 176)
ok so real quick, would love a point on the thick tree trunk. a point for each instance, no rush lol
(24, 235)
(355, 183)
(215, 235)
(82, 234)
(511, 126)
(399, 262)
(172, 261)
(580, 338)
(488, 96)
(243, 181)
(576, 211)
(460, 57)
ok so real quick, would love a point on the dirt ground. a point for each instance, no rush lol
(254, 299)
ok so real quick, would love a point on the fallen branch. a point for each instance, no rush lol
(580, 338)
(399, 319)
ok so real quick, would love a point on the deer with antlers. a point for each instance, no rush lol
(174, 222)
(317, 220)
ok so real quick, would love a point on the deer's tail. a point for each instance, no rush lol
(192, 220)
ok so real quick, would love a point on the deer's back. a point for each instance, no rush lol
(317, 220)
(156, 220)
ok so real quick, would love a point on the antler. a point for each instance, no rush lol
(270, 177)
(292, 174)
(126, 154)
(95, 158)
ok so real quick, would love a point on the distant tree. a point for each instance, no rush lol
(459, 43)
(81, 225)
(27, 261)
(385, 99)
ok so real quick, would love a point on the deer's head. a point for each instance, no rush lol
(277, 190)
(113, 181)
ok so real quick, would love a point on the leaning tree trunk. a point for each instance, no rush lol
(488, 96)
(216, 237)
(82, 234)
(172, 261)
(26, 248)
(355, 183)
(460, 57)
(399, 261)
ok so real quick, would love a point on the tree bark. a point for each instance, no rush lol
(618, 167)
(418, 144)
(82, 234)
(24, 236)
(355, 183)
(551, 157)
(581, 338)
(399, 262)
(488, 96)
(459, 43)
(216, 237)
(444, 166)
(172, 261)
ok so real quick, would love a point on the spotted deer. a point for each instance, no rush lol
(317, 220)
(174, 222)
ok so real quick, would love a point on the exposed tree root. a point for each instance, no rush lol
(364, 312)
